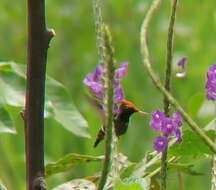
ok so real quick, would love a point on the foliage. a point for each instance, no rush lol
(58, 103)
(77, 184)
(191, 145)
(68, 161)
(73, 54)
(6, 123)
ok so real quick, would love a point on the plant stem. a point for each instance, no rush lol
(108, 102)
(170, 40)
(163, 169)
(213, 180)
(38, 42)
(168, 78)
(156, 171)
(157, 82)
(140, 171)
(98, 27)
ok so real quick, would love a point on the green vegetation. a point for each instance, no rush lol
(73, 54)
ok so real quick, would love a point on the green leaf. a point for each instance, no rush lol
(69, 161)
(6, 123)
(192, 145)
(195, 103)
(77, 184)
(64, 110)
(12, 87)
(133, 184)
(58, 104)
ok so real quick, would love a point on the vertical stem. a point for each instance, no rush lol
(169, 57)
(167, 86)
(108, 102)
(163, 169)
(213, 180)
(98, 26)
(38, 42)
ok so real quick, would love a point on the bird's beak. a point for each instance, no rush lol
(143, 113)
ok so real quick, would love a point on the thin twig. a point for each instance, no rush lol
(156, 171)
(167, 85)
(38, 43)
(140, 171)
(159, 85)
(108, 102)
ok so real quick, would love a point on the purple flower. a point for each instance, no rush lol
(122, 70)
(182, 62)
(118, 90)
(212, 71)
(94, 81)
(97, 89)
(98, 73)
(168, 126)
(211, 95)
(158, 115)
(160, 143)
(157, 118)
(88, 80)
(178, 135)
(211, 83)
(161, 123)
(118, 94)
(177, 119)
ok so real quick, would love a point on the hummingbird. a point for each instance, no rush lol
(121, 120)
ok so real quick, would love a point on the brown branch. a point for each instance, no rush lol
(38, 43)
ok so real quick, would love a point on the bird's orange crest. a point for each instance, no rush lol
(130, 104)
(133, 106)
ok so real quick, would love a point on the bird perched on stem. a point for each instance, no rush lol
(121, 120)
(122, 110)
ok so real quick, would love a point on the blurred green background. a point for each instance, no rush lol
(73, 54)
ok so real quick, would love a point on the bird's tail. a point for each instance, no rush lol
(100, 136)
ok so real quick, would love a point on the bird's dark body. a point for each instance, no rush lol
(121, 121)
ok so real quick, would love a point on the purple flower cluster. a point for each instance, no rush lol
(94, 81)
(167, 126)
(211, 83)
